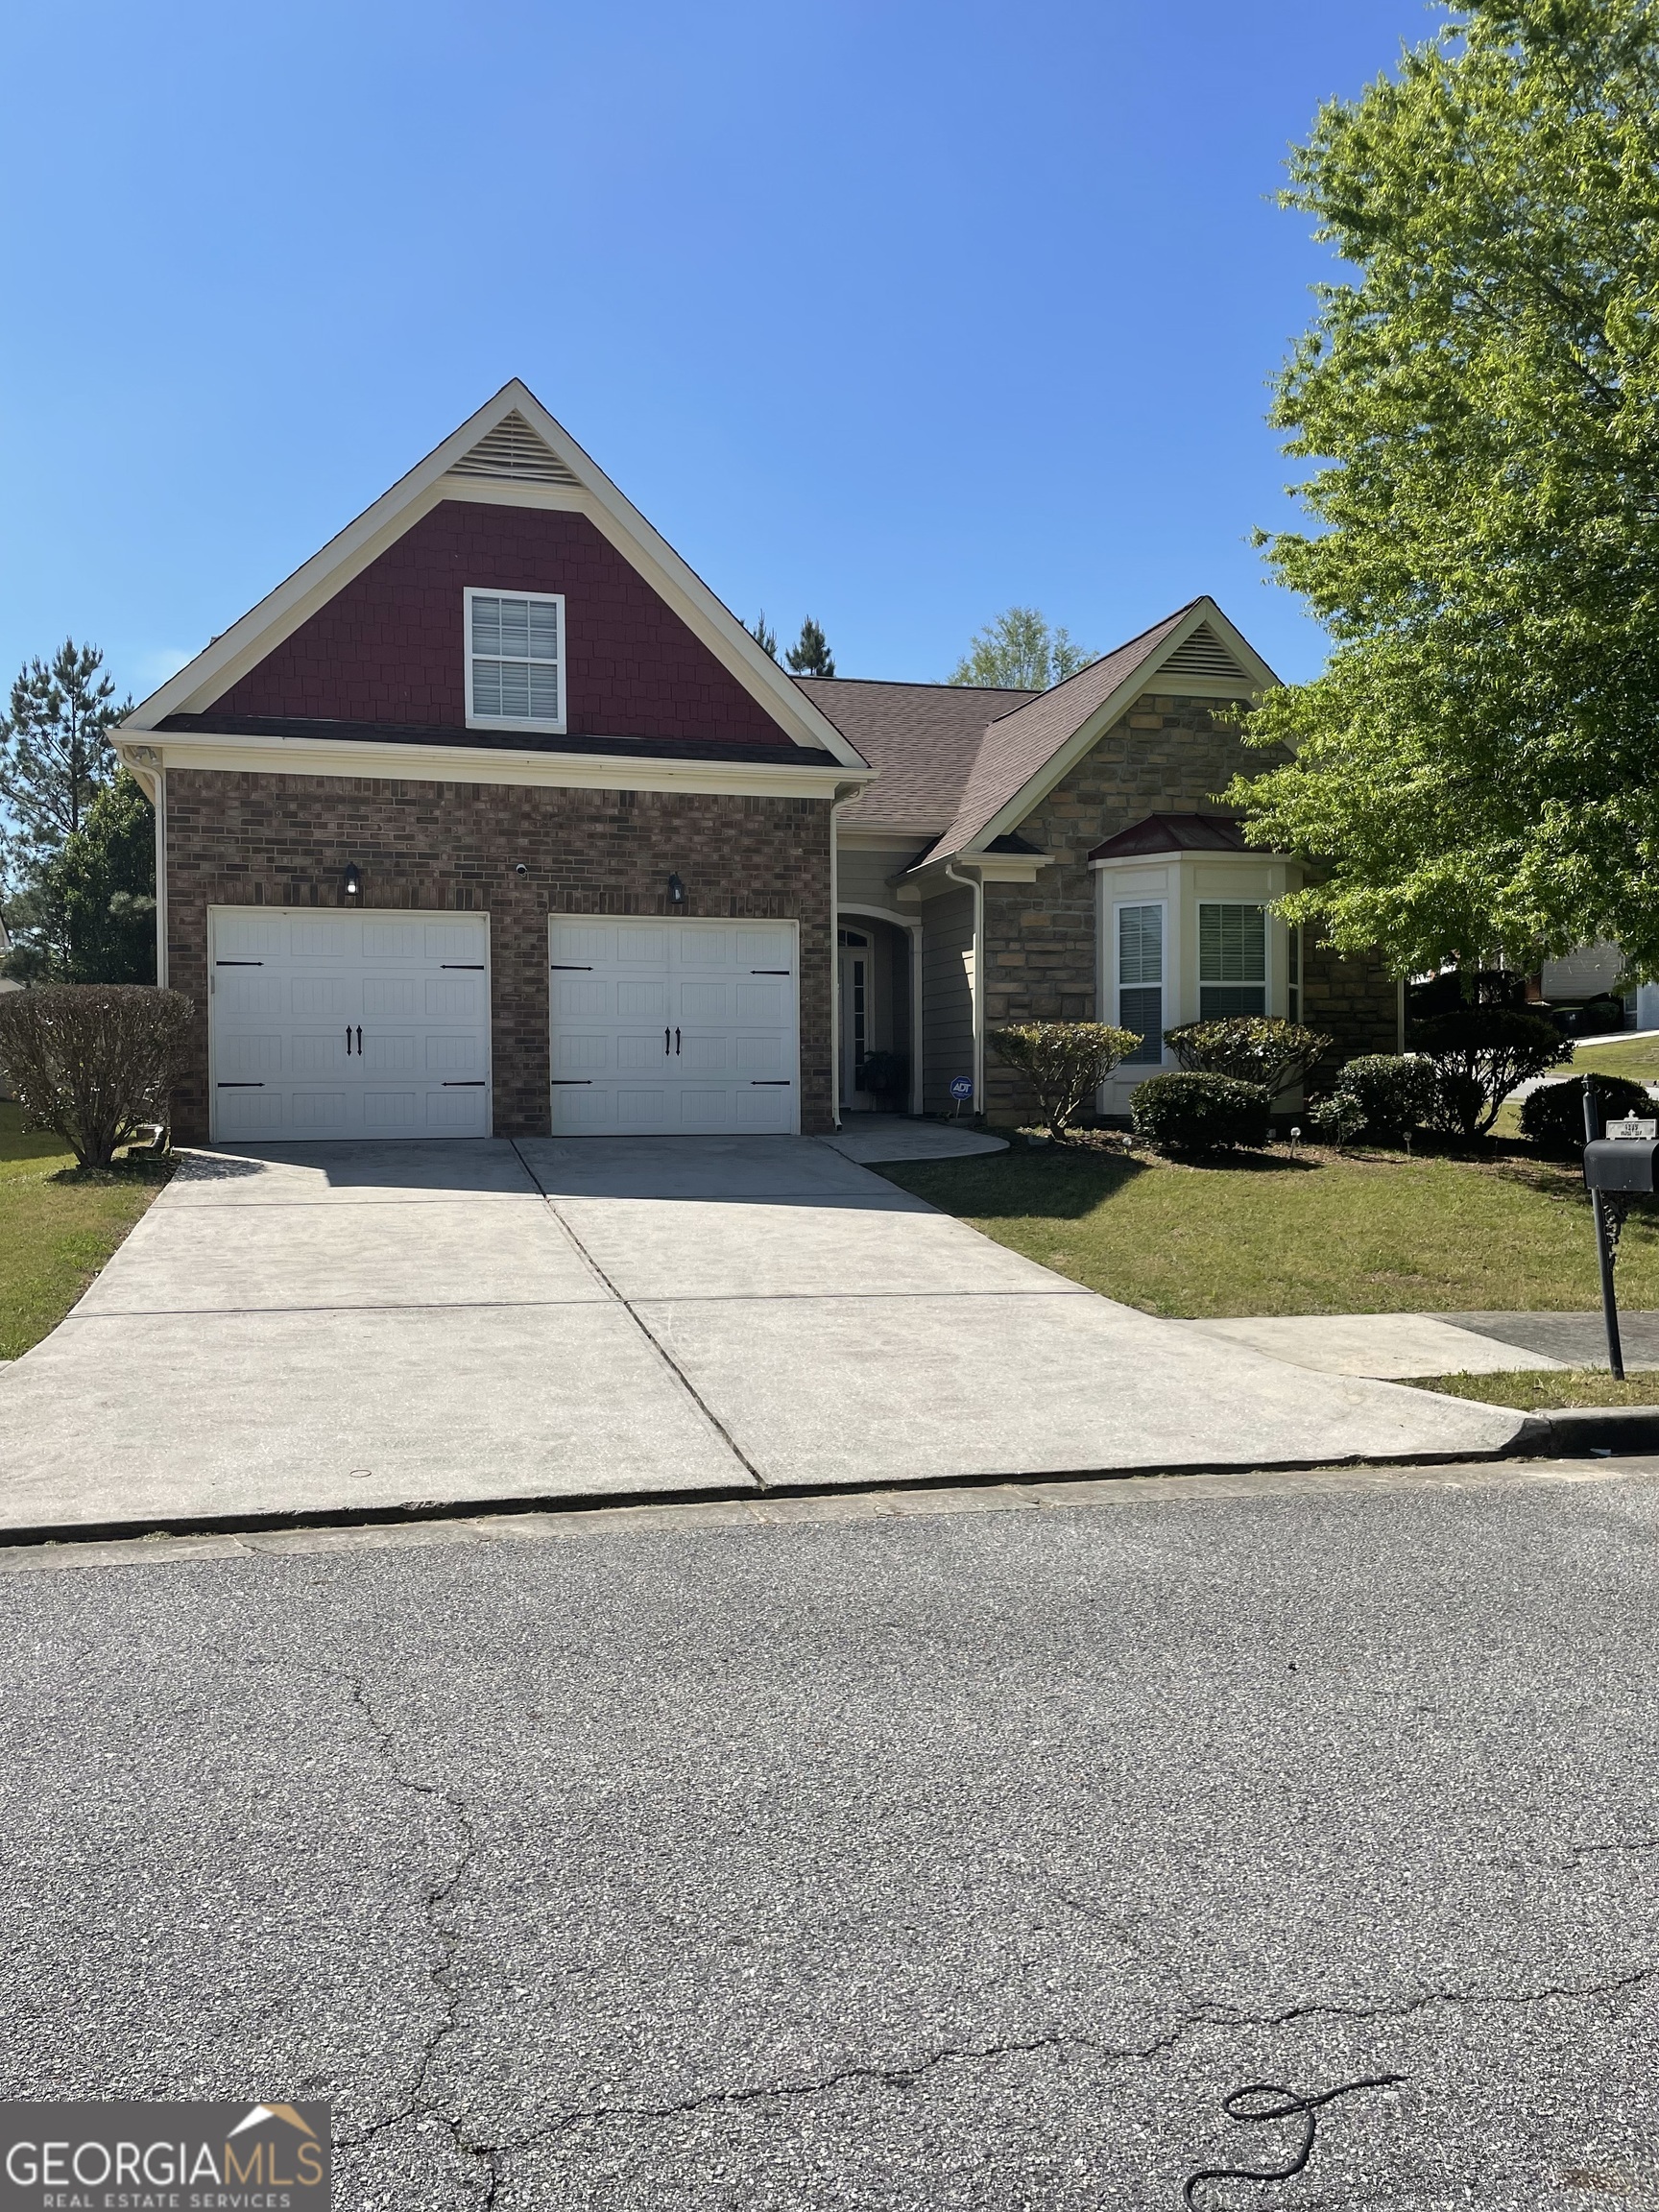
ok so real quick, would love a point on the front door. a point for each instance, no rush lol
(858, 1018)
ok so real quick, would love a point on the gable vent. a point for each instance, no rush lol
(1204, 655)
(514, 450)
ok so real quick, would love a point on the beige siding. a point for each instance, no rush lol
(946, 996)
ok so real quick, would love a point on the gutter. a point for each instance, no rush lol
(977, 994)
(842, 798)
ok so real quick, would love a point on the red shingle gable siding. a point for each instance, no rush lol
(389, 647)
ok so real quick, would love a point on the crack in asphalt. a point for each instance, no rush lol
(488, 2154)
(905, 2075)
(437, 1895)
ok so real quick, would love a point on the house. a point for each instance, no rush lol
(492, 818)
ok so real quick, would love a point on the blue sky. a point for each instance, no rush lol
(893, 312)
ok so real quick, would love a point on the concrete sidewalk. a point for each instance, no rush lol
(361, 1328)
(1400, 1346)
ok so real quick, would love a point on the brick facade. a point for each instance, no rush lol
(1166, 756)
(287, 840)
(390, 646)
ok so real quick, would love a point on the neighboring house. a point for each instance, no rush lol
(492, 817)
(6, 982)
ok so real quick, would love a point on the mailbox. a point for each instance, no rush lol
(1620, 1163)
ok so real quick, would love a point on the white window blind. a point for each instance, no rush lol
(515, 651)
(1141, 980)
(1232, 960)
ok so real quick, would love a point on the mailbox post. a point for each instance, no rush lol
(1617, 1168)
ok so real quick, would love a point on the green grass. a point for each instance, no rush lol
(1638, 1058)
(1545, 1389)
(59, 1224)
(1373, 1233)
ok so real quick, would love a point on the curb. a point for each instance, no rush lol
(1580, 1429)
(1540, 1436)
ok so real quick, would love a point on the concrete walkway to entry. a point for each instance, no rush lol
(362, 1327)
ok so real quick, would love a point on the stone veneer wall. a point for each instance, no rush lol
(1166, 756)
(252, 840)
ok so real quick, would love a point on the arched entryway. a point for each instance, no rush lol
(876, 986)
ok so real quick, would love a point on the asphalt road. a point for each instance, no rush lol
(951, 1858)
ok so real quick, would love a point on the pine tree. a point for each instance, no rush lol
(766, 638)
(810, 654)
(79, 875)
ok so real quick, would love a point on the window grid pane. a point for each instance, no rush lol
(514, 658)
(1142, 1010)
(1139, 945)
(1218, 1000)
(1231, 944)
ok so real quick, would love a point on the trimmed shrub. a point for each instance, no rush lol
(1480, 1053)
(1339, 1119)
(1390, 1093)
(1552, 1115)
(94, 1062)
(1064, 1061)
(1251, 1047)
(1201, 1113)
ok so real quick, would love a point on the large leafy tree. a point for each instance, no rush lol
(1478, 765)
(1020, 652)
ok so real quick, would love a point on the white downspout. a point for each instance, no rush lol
(160, 803)
(976, 997)
(840, 800)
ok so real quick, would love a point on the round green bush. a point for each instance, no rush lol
(1552, 1115)
(1392, 1092)
(1201, 1114)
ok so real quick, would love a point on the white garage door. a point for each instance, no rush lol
(341, 1024)
(672, 1028)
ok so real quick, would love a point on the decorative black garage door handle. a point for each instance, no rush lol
(348, 1040)
(471, 967)
(572, 1082)
(359, 1040)
(240, 964)
(239, 1086)
(664, 1040)
(467, 1083)
(676, 1044)
(768, 1082)
(768, 971)
(572, 967)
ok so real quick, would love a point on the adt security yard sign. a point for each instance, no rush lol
(961, 1089)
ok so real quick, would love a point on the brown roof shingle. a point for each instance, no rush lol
(923, 737)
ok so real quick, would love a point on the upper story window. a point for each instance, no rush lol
(515, 660)
(1232, 960)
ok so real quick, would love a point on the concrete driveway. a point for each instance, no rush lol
(369, 1327)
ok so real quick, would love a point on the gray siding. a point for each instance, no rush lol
(946, 1000)
(863, 875)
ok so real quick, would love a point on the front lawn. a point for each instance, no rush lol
(1547, 1390)
(59, 1224)
(1315, 1234)
(1638, 1058)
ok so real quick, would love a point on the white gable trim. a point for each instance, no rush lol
(389, 761)
(205, 679)
(1142, 679)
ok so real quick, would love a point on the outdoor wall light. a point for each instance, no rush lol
(353, 880)
(676, 892)
(522, 869)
